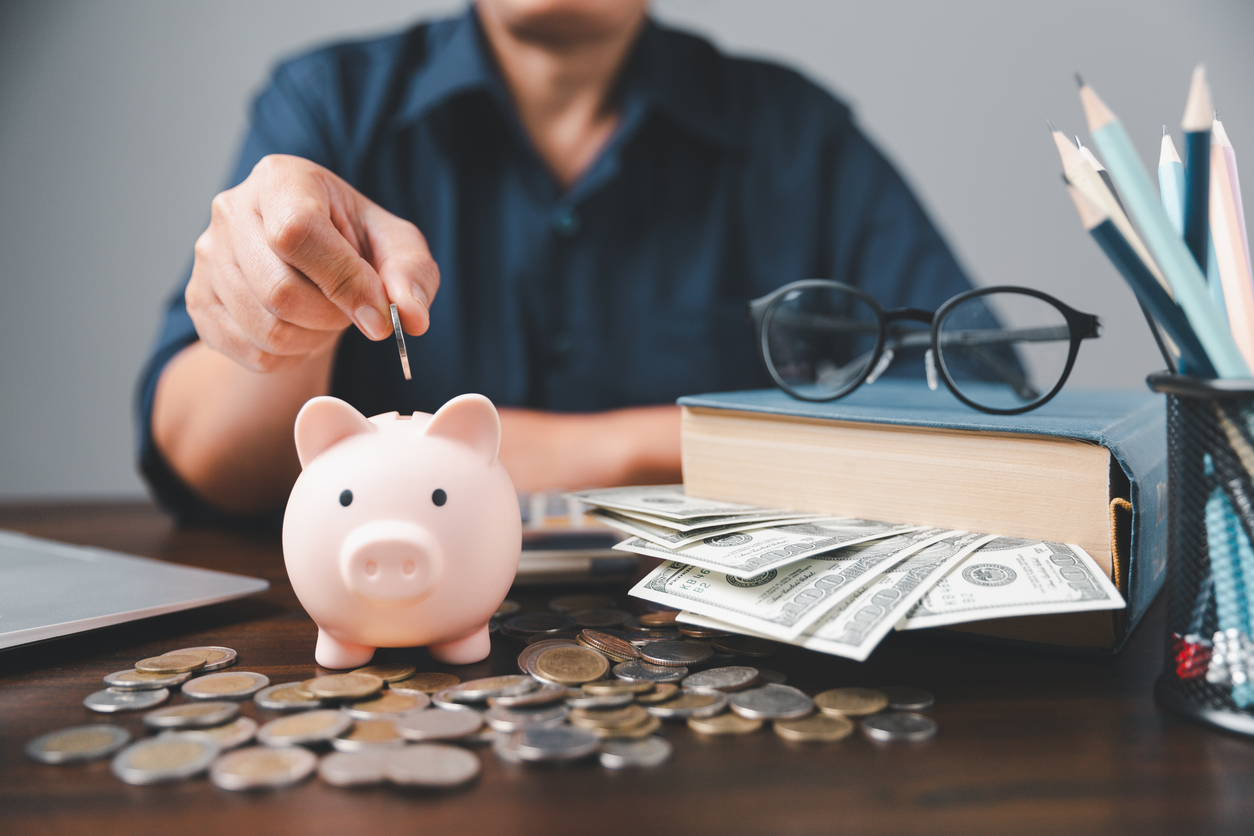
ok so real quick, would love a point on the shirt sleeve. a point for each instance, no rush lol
(290, 116)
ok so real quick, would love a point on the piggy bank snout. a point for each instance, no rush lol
(391, 561)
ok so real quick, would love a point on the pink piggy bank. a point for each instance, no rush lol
(401, 531)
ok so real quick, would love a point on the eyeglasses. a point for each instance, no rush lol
(821, 339)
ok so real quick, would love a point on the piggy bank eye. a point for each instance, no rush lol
(439, 497)
(346, 498)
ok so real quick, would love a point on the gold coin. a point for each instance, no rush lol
(344, 686)
(165, 754)
(299, 725)
(426, 682)
(171, 663)
(389, 702)
(372, 731)
(662, 691)
(610, 687)
(643, 729)
(190, 709)
(392, 672)
(724, 724)
(658, 619)
(816, 728)
(571, 665)
(851, 702)
(695, 632)
(608, 718)
(215, 657)
(242, 684)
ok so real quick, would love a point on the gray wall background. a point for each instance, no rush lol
(119, 120)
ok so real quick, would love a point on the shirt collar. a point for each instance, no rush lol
(668, 72)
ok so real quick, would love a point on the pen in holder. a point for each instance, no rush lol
(1209, 668)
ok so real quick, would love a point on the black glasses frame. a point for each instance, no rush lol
(1081, 326)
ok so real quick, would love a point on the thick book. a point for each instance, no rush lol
(1087, 468)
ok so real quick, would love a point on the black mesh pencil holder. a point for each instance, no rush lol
(1208, 673)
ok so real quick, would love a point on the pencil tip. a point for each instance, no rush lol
(1164, 130)
(1079, 82)
(1078, 143)
(1050, 123)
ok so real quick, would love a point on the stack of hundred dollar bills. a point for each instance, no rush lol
(835, 584)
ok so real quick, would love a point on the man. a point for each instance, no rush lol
(593, 196)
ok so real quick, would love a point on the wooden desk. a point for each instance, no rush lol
(1028, 742)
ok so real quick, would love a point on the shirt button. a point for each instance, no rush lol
(563, 347)
(566, 221)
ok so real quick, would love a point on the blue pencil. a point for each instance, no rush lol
(1198, 113)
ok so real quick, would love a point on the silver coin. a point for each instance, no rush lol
(687, 704)
(284, 697)
(387, 706)
(771, 702)
(305, 728)
(554, 743)
(160, 759)
(133, 680)
(78, 743)
(111, 700)
(263, 767)
(354, 769)
(216, 658)
(400, 341)
(902, 698)
(637, 671)
(437, 724)
(479, 690)
(648, 751)
(196, 715)
(432, 765)
(505, 747)
(899, 727)
(546, 694)
(443, 700)
(227, 736)
(368, 736)
(531, 624)
(601, 700)
(484, 737)
(235, 685)
(507, 720)
(673, 654)
(772, 676)
(733, 678)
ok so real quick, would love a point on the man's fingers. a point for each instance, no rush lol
(404, 264)
(298, 228)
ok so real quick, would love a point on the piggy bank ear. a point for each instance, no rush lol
(470, 420)
(324, 421)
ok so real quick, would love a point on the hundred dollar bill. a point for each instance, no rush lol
(781, 603)
(667, 501)
(694, 523)
(665, 536)
(854, 627)
(1010, 577)
(747, 553)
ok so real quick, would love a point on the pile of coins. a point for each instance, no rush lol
(593, 681)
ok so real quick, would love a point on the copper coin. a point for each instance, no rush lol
(816, 728)
(724, 724)
(612, 645)
(658, 619)
(662, 691)
(851, 702)
(745, 646)
(694, 632)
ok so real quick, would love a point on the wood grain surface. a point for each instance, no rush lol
(1029, 742)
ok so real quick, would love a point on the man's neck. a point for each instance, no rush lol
(563, 88)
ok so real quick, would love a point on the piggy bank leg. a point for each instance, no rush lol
(463, 651)
(337, 655)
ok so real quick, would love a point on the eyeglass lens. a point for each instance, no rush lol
(1001, 350)
(1004, 350)
(820, 340)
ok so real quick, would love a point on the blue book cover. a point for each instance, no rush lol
(1130, 424)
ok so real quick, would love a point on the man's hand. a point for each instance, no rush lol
(292, 256)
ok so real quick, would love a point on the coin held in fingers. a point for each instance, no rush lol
(400, 341)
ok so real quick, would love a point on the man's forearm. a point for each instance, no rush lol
(227, 431)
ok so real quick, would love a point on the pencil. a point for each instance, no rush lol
(1173, 258)
(1198, 112)
(1153, 298)
(1084, 175)
(1092, 160)
(1171, 182)
(1232, 252)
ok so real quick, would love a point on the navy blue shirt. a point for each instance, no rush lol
(724, 179)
